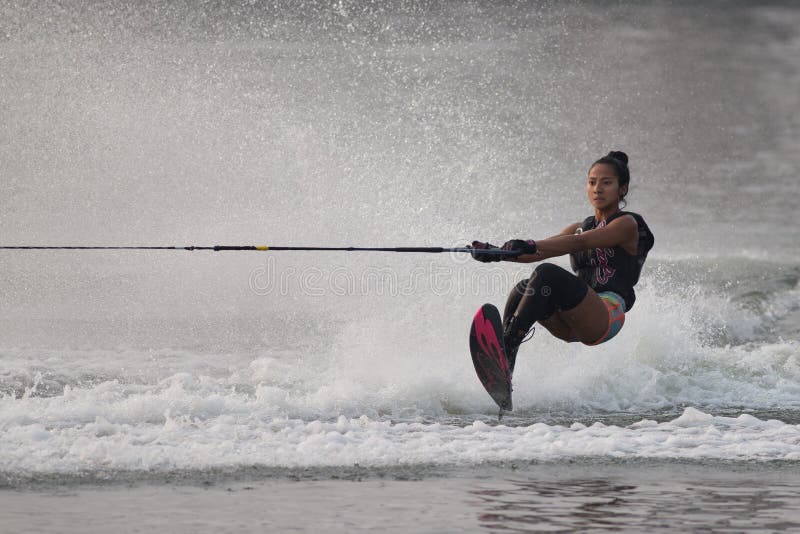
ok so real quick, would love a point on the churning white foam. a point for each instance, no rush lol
(233, 434)
(369, 397)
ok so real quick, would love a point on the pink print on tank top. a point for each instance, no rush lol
(603, 273)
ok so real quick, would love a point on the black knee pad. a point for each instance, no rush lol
(562, 288)
(549, 288)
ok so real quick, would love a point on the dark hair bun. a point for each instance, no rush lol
(619, 156)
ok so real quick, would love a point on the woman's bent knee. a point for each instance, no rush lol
(564, 288)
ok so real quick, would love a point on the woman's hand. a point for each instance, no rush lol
(520, 245)
(478, 246)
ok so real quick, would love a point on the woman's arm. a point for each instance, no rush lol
(617, 233)
(569, 230)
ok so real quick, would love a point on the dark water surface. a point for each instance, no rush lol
(582, 495)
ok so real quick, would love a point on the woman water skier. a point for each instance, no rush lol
(607, 251)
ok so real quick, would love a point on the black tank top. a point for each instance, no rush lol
(613, 269)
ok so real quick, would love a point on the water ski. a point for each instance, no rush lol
(488, 355)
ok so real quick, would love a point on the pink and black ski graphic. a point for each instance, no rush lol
(488, 356)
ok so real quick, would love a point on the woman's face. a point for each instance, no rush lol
(602, 187)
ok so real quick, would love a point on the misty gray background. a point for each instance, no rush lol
(415, 123)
